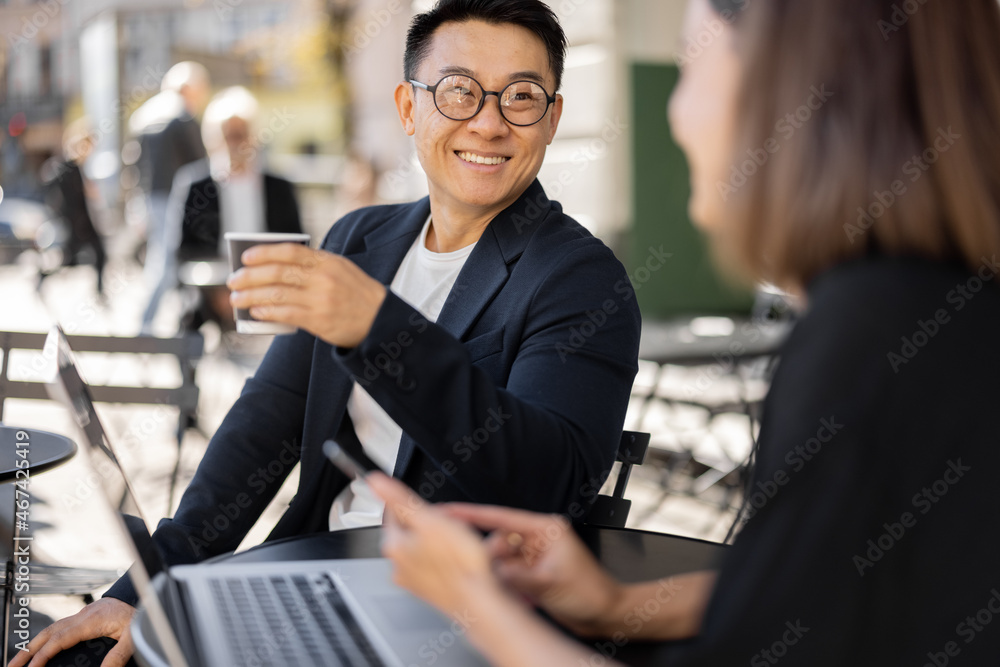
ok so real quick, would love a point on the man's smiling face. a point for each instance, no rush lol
(481, 165)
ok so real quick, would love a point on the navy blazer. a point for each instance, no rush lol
(515, 396)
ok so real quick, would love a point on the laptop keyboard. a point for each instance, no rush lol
(299, 620)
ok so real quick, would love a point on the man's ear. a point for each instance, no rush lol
(405, 107)
(557, 109)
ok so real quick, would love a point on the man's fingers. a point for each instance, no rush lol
(22, 657)
(60, 640)
(267, 274)
(286, 314)
(269, 295)
(120, 653)
(266, 253)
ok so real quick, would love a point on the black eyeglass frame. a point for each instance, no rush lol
(550, 99)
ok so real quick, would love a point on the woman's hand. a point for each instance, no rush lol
(440, 559)
(325, 294)
(435, 556)
(106, 617)
(541, 557)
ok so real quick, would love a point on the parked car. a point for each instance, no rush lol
(31, 229)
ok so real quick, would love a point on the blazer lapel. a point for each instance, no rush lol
(387, 245)
(487, 269)
(485, 273)
(383, 252)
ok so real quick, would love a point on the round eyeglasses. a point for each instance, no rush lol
(522, 103)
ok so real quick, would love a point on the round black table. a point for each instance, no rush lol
(630, 555)
(42, 450)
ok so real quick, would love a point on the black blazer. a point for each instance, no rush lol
(516, 396)
(201, 222)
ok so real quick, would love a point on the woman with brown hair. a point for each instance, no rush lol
(848, 150)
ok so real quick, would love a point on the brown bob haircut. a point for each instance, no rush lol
(903, 158)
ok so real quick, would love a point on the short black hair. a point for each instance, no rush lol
(534, 15)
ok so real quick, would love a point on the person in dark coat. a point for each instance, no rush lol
(169, 137)
(238, 194)
(68, 193)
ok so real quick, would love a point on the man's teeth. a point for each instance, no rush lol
(479, 159)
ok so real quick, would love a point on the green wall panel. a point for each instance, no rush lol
(687, 283)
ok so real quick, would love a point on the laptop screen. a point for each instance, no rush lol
(66, 385)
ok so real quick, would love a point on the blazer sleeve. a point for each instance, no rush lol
(247, 459)
(546, 440)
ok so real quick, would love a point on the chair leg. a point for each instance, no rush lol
(182, 425)
(8, 585)
(8, 595)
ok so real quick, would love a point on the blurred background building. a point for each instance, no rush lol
(324, 72)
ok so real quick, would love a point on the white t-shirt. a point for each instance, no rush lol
(241, 206)
(423, 280)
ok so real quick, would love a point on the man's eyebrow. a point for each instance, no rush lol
(449, 70)
(529, 75)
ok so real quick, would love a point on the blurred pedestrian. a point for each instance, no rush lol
(70, 195)
(238, 195)
(169, 137)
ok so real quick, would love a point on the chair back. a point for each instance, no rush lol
(612, 511)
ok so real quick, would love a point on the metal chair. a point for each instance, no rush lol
(612, 511)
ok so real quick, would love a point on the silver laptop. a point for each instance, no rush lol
(333, 612)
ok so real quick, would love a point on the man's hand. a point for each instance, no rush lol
(106, 617)
(325, 294)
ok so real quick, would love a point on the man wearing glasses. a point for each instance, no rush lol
(479, 343)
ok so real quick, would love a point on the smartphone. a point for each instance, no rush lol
(348, 464)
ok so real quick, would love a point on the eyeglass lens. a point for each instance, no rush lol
(521, 103)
